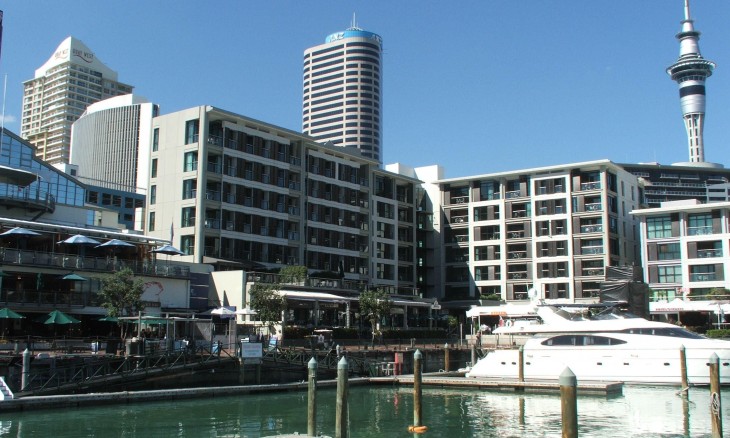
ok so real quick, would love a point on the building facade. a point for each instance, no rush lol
(554, 229)
(242, 194)
(685, 248)
(342, 91)
(62, 88)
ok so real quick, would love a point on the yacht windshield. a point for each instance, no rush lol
(674, 332)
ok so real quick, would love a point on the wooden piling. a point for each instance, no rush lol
(341, 414)
(312, 398)
(683, 368)
(715, 399)
(521, 364)
(25, 378)
(446, 357)
(417, 377)
(569, 403)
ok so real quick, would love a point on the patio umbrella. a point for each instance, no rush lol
(115, 244)
(82, 242)
(109, 319)
(223, 312)
(73, 277)
(59, 318)
(9, 314)
(169, 250)
(18, 234)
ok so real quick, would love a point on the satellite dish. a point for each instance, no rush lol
(532, 293)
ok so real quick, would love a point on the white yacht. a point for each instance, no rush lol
(608, 347)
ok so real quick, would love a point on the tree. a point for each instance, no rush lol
(267, 302)
(292, 274)
(121, 294)
(374, 305)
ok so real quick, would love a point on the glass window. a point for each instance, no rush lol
(699, 224)
(191, 131)
(153, 171)
(187, 244)
(669, 251)
(155, 139)
(188, 217)
(191, 162)
(658, 227)
(669, 274)
(153, 195)
(151, 224)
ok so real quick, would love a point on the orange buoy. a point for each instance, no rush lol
(417, 429)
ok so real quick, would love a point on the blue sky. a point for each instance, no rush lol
(476, 86)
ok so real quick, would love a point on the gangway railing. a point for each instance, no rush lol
(326, 359)
(116, 369)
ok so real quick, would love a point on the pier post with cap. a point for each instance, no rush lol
(312, 398)
(715, 399)
(569, 403)
(341, 414)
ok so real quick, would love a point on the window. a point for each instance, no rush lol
(155, 139)
(658, 227)
(699, 224)
(153, 171)
(669, 274)
(669, 251)
(188, 217)
(151, 223)
(189, 188)
(153, 195)
(187, 244)
(191, 131)
(191, 162)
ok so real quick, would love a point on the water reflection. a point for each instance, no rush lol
(385, 411)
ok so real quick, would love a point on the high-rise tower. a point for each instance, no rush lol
(342, 91)
(72, 79)
(690, 72)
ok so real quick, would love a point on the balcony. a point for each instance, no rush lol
(595, 228)
(708, 253)
(517, 254)
(512, 194)
(596, 206)
(699, 231)
(517, 275)
(460, 200)
(592, 272)
(519, 213)
(460, 220)
(596, 185)
(515, 234)
(709, 276)
(585, 250)
(462, 238)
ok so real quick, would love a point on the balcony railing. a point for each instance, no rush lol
(596, 206)
(710, 276)
(591, 250)
(460, 219)
(512, 194)
(590, 185)
(592, 271)
(596, 228)
(709, 253)
(699, 231)
(460, 200)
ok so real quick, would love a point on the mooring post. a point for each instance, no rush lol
(569, 403)
(312, 398)
(473, 355)
(446, 357)
(417, 376)
(683, 369)
(341, 415)
(521, 364)
(25, 379)
(418, 426)
(715, 400)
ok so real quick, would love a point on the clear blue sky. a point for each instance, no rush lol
(476, 86)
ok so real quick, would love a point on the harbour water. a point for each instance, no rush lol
(386, 411)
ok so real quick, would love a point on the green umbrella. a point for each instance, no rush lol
(58, 317)
(109, 319)
(9, 314)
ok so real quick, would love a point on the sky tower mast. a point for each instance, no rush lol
(690, 72)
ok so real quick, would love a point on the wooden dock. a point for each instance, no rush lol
(453, 380)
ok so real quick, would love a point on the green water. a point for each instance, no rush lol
(384, 412)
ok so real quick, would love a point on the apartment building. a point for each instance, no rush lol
(243, 194)
(685, 248)
(554, 229)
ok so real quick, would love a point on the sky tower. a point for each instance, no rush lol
(690, 72)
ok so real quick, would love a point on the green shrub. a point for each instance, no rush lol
(718, 333)
(491, 297)
(296, 332)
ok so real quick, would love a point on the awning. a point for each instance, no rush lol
(314, 296)
(679, 305)
(512, 310)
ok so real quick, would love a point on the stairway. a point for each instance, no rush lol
(5, 392)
